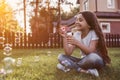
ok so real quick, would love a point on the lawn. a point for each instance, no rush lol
(45, 66)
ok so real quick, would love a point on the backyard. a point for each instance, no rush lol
(40, 64)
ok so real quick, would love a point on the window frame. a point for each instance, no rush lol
(85, 5)
(111, 5)
(108, 29)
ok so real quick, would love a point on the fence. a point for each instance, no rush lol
(19, 40)
(112, 40)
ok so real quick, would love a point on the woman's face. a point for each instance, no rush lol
(81, 23)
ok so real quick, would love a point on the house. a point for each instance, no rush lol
(107, 11)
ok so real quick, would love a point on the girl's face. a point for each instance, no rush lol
(81, 23)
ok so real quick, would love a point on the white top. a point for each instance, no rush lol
(87, 39)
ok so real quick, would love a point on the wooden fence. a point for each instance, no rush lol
(112, 40)
(19, 40)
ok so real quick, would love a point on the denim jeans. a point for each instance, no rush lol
(90, 61)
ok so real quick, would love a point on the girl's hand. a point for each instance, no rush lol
(62, 32)
(71, 40)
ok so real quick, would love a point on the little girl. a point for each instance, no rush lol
(90, 40)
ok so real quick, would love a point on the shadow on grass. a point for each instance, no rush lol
(117, 55)
(73, 75)
(108, 73)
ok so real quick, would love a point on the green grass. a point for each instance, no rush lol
(46, 69)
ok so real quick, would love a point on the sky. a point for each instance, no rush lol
(15, 4)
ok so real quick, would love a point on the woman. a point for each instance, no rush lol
(90, 40)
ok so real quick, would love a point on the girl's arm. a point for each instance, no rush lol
(85, 49)
(90, 49)
(67, 48)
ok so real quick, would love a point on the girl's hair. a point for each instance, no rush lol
(92, 21)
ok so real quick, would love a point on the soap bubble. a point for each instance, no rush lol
(2, 74)
(19, 62)
(7, 44)
(36, 58)
(7, 50)
(2, 71)
(18, 34)
(8, 64)
(17, 40)
(49, 53)
(2, 39)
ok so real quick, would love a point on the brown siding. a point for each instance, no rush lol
(115, 27)
(118, 4)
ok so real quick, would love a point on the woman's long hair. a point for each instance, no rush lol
(92, 21)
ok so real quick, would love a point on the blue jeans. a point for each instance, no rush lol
(90, 61)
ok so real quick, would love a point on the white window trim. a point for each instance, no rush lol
(108, 27)
(87, 5)
(111, 6)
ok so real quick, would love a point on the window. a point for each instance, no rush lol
(118, 3)
(110, 3)
(105, 27)
(85, 5)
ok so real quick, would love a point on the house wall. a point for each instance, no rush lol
(93, 6)
(90, 7)
(119, 6)
(115, 27)
(81, 4)
(101, 5)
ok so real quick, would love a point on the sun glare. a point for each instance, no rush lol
(15, 4)
(66, 8)
(12, 3)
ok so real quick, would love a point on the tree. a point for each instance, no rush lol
(40, 31)
(7, 20)
(42, 23)
(68, 15)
